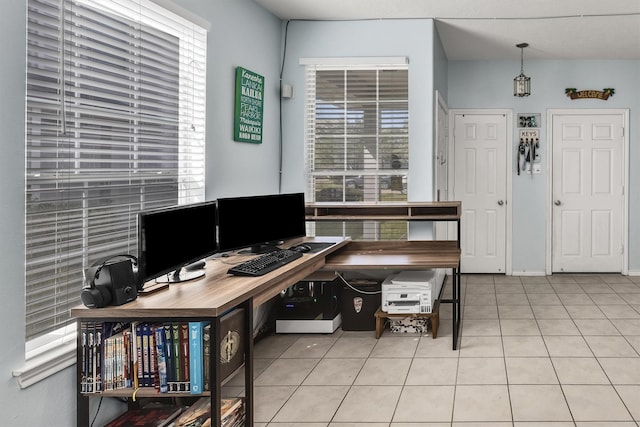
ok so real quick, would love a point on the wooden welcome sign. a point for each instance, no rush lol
(603, 94)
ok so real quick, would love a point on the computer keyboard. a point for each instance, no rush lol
(265, 263)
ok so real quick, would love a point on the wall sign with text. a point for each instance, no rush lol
(247, 124)
(603, 94)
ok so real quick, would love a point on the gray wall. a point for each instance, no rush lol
(12, 74)
(489, 84)
(243, 34)
(441, 67)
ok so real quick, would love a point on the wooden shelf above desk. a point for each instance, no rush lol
(425, 211)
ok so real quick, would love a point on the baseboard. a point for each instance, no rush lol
(528, 273)
(541, 273)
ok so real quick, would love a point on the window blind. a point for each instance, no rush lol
(357, 139)
(115, 125)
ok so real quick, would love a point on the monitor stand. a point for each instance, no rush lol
(181, 275)
(261, 249)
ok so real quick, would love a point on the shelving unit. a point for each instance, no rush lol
(406, 255)
(161, 316)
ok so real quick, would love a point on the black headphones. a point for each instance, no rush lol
(98, 296)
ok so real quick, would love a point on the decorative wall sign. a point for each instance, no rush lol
(604, 94)
(529, 120)
(247, 124)
(232, 342)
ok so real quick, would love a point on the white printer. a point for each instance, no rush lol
(412, 291)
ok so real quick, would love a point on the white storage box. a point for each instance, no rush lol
(409, 325)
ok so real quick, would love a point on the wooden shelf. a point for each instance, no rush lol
(425, 211)
(144, 392)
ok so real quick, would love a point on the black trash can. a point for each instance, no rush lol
(359, 301)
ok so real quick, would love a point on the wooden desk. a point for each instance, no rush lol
(216, 292)
(210, 297)
(207, 298)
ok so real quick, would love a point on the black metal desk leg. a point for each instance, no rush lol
(248, 361)
(459, 300)
(455, 306)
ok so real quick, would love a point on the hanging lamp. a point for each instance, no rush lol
(522, 83)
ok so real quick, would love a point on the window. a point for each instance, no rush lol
(115, 124)
(357, 138)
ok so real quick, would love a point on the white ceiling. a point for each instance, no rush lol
(490, 29)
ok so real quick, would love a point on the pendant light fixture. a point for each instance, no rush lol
(522, 83)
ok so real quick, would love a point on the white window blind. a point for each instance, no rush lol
(357, 138)
(115, 125)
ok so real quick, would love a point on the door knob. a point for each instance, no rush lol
(557, 203)
(500, 202)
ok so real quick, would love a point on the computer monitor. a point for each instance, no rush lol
(171, 238)
(260, 222)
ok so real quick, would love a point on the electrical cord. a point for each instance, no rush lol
(236, 256)
(284, 55)
(236, 262)
(97, 411)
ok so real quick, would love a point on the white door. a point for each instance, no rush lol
(587, 192)
(480, 183)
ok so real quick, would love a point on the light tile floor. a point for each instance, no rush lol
(555, 351)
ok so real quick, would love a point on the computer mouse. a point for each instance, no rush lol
(302, 248)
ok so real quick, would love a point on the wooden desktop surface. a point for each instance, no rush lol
(406, 255)
(217, 291)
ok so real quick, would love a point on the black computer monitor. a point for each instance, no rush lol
(260, 222)
(171, 238)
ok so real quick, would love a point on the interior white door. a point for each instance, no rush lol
(480, 183)
(587, 193)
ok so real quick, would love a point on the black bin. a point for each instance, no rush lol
(358, 303)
